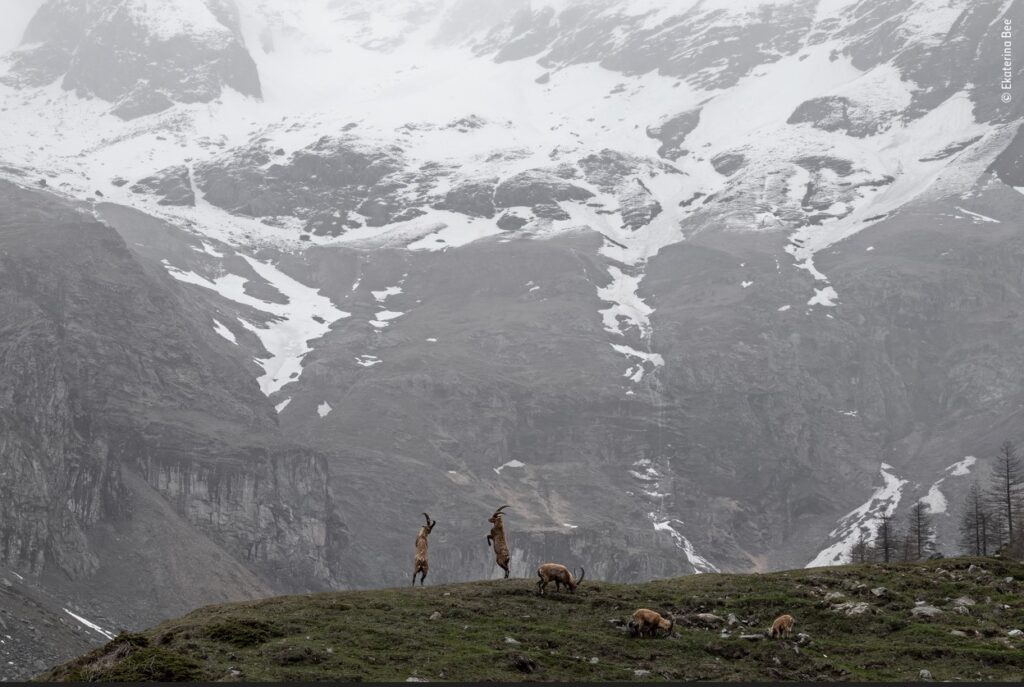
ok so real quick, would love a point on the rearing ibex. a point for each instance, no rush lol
(421, 565)
(497, 539)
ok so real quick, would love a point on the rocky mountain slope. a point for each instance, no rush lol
(696, 287)
(138, 475)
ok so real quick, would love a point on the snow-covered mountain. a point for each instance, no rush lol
(701, 285)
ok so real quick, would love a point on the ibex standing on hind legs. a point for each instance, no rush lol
(421, 565)
(496, 539)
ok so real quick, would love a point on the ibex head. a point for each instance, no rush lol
(575, 580)
(497, 515)
(430, 523)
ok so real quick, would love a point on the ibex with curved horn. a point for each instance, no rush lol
(496, 539)
(559, 574)
(421, 564)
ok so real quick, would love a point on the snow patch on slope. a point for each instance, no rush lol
(935, 499)
(652, 479)
(224, 331)
(306, 316)
(863, 520)
(91, 625)
(509, 464)
(699, 563)
(962, 467)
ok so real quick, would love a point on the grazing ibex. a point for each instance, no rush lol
(646, 621)
(559, 574)
(421, 565)
(783, 625)
(496, 539)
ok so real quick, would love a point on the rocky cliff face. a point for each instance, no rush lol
(140, 55)
(110, 393)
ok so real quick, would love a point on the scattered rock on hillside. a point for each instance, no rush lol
(852, 608)
(880, 592)
(523, 664)
(925, 611)
(1015, 633)
(436, 615)
(708, 619)
(925, 674)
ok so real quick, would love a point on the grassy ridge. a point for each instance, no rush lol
(462, 631)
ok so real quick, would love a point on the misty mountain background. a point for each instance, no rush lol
(694, 286)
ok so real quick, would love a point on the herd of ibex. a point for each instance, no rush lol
(644, 621)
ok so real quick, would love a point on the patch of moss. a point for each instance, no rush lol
(241, 632)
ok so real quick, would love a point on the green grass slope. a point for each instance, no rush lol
(504, 631)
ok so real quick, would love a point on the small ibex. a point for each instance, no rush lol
(559, 574)
(648, 622)
(421, 565)
(496, 539)
(783, 625)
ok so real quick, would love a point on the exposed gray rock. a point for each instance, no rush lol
(173, 185)
(925, 611)
(535, 187)
(852, 608)
(838, 113)
(708, 619)
(673, 132)
(474, 198)
(728, 163)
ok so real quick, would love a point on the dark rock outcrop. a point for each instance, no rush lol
(673, 132)
(108, 373)
(173, 185)
(142, 59)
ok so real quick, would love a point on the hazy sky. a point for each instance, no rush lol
(16, 14)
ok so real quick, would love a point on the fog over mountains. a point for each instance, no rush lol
(694, 286)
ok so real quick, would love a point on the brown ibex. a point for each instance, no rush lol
(421, 564)
(783, 625)
(648, 622)
(559, 574)
(496, 539)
